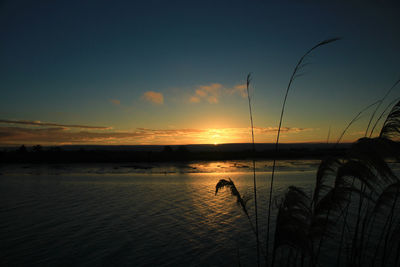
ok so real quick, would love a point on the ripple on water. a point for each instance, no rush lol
(135, 219)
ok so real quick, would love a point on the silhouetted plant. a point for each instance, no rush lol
(254, 167)
(382, 115)
(299, 65)
(353, 211)
(378, 106)
(301, 228)
(354, 120)
(391, 127)
(241, 201)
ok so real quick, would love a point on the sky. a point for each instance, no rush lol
(174, 72)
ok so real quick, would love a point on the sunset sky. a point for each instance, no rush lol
(173, 72)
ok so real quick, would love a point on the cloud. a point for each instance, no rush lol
(212, 89)
(194, 99)
(39, 123)
(201, 93)
(212, 99)
(268, 130)
(61, 135)
(240, 89)
(115, 101)
(153, 97)
(211, 93)
(56, 135)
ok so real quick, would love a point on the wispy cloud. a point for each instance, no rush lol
(61, 135)
(241, 89)
(39, 123)
(194, 99)
(211, 93)
(268, 130)
(153, 97)
(115, 101)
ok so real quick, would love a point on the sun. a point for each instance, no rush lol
(217, 137)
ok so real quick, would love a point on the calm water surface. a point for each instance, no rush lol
(134, 215)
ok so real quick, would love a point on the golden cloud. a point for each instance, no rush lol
(241, 89)
(61, 135)
(212, 92)
(153, 97)
(39, 123)
(194, 99)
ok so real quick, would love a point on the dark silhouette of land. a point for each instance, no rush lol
(115, 154)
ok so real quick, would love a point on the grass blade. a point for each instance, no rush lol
(254, 167)
(292, 78)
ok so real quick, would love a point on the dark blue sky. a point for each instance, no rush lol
(95, 62)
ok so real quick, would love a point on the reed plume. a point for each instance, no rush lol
(241, 201)
(378, 106)
(382, 115)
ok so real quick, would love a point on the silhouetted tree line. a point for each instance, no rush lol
(39, 154)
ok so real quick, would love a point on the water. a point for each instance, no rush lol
(134, 215)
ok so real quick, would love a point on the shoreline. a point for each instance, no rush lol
(101, 156)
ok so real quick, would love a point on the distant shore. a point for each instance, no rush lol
(116, 154)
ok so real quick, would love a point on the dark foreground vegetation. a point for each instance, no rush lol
(352, 215)
(38, 154)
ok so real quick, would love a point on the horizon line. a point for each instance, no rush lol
(204, 144)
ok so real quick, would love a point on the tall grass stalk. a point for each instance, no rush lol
(378, 106)
(354, 120)
(338, 141)
(254, 167)
(355, 251)
(329, 135)
(354, 243)
(385, 247)
(292, 78)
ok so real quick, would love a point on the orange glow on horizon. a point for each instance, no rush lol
(144, 136)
